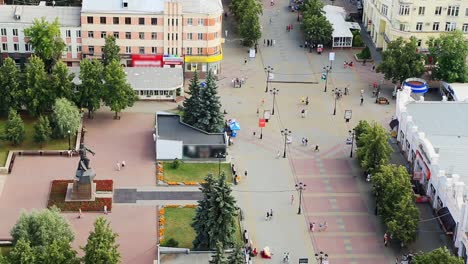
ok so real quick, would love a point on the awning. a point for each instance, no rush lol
(394, 123)
(446, 220)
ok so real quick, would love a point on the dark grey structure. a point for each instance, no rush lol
(83, 186)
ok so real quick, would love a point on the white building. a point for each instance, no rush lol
(454, 91)
(434, 137)
(386, 20)
(342, 36)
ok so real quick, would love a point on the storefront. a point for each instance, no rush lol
(157, 60)
(203, 64)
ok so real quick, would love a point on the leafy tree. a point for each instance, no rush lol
(46, 42)
(67, 117)
(249, 27)
(202, 222)
(21, 253)
(14, 128)
(101, 247)
(376, 149)
(317, 29)
(404, 222)
(437, 256)
(401, 60)
(90, 90)
(62, 81)
(9, 87)
(42, 130)
(238, 8)
(211, 118)
(110, 51)
(313, 7)
(193, 104)
(237, 255)
(362, 127)
(450, 52)
(38, 93)
(218, 257)
(365, 54)
(118, 94)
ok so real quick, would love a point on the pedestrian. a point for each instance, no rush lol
(267, 216)
(362, 92)
(345, 63)
(362, 100)
(258, 111)
(246, 237)
(312, 227)
(79, 213)
(245, 173)
(254, 133)
(264, 42)
(123, 164)
(270, 20)
(306, 142)
(373, 67)
(307, 100)
(245, 61)
(317, 148)
(268, 43)
(278, 154)
(69, 153)
(303, 141)
(271, 213)
(274, 42)
(385, 239)
(118, 166)
(303, 113)
(302, 100)
(324, 226)
(292, 199)
(105, 209)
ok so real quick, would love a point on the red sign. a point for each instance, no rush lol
(261, 122)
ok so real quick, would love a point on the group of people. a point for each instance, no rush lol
(269, 215)
(269, 42)
(236, 176)
(347, 64)
(237, 83)
(322, 226)
(289, 27)
(120, 165)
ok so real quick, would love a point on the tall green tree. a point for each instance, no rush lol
(437, 256)
(237, 255)
(46, 41)
(218, 257)
(211, 118)
(39, 96)
(201, 222)
(193, 104)
(362, 127)
(14, 128)
(238, 8)
(376, 149)
(91, 89)
(110, 51)
(450, 53)
(404, 223)
(62, 82)
(249, 27)
(401, 60)
(317, 29)
(118, 94)
(101, 247)
(42, 130)
(67, 117)
(21, 253)
(313, 7)
(10, 93)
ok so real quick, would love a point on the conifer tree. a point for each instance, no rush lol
(211, 118)
(192, 105)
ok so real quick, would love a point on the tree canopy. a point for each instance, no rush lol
(10, 93)
(437, 256)
(110, 51)
(193, 104)
(42, 130)
(62, 82)
(375, 150)
(91, 89)
(67, 117)
(101, 247)
(249, 27)
(210, 117)
(14, 128)
(39, 96)
(317, 28)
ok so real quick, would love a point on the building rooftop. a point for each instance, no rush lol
(336, 16)
(25, 14)
(170, 127)
(150, 6)
(147, 78)
(445, 124)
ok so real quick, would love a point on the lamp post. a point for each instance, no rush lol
(300, 187)
(352, 134)
(322, 258)
(220, 155)
(274, 92)
(69, 140)
(336, 93)
(327, 71)
(268, 69)
(285, 132)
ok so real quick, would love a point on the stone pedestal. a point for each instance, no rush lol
(80, 192)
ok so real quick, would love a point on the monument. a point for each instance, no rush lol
(83, 187)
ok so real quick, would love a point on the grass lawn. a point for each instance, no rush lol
(29, 144)
(4, 250)
(178, 226)
(194, 171)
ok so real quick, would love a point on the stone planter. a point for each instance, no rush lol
(360, 60)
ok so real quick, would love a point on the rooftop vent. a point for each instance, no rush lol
(18, 12)
(124, 3)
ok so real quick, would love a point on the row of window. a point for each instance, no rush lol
(27, 47)
(154, 92)
(141, 21)
(154, 50)
(405, 10)
(3, 32)
(449, 26)
(154, 35)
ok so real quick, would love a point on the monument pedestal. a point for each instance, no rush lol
(79, 192)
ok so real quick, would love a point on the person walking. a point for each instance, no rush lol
(79, 213)
(307, 100)
(292, 199)
(303, 113)
(316, 148)
(105, 209)
(245, 60)
(117, 166)
(362, 100)
(306, 142)
(267, 216)
(385, 239)
(245, 173)
(123, 164)
(271, 213)
(312, 226)
(303, 141)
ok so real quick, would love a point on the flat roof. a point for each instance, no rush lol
(170, 127)
(336, 16)
(460, 90)
(150, 6)
(67, 15)
(147, 78)
(445, 125)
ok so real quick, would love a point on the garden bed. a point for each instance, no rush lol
(194, 172)
(58, 192)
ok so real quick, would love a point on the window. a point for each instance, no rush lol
(422, 10)
(435, 26)
(128, 20)
(69, 48)
(141, 35)
(125, 4)
(199, 50)
(90, 20)
(465, 28)
(189, 51)
(102, 20)
(128, 35)
(90, 34)
(141, 21)
(168, 36)
(453, 10)
(216, 34)
(16, 47)
(419, 26)
(141, 50)
(419, 42)
(116, 35)
(192, 66)
(172, 22)
(384, 10)
(27, 47)
(403, 27)
(128, 50)
(78, 33)
(404, 10)
(78, 48)
(3, 31)
(176, 36)
(438, 10)
(200, 35)
(91, 49)
(4, 46)
(172, 35)
(189, 21)
(154, 35)
(177, 22)
(103, 34)
(154, 50)
(115, 20)
(200, 21)
(215, 50)
(15, 32)
(450, 26)
(154, 21)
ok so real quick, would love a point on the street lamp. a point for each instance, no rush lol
(268, 69)
(352, 134)
(69, 140)
(274, 92)
(300, 187)
(220, 155)
(286, 133)
(322, 258)
(336, 93)
(327, 71)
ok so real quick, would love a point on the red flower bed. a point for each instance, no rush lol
(59, 190)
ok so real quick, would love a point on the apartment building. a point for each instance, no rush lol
(386, 20)
(15, 18)
(188, 29)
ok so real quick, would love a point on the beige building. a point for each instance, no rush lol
(386, 20)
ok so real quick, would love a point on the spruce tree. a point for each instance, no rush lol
(42, 130)
(193, 104)
(14, 128)
(218, 257)
(201, 221)
(211, 118)
(237, 255)
(101, 247)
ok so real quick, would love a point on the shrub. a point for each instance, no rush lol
(357, 41)
(171, 243)
(176, 163)
(364, 54)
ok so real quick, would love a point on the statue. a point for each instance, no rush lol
(84, 173)
(83, 188)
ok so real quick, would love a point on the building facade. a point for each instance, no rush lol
(386, 20)
(190, 29)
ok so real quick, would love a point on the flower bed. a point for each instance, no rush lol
(58, 192)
